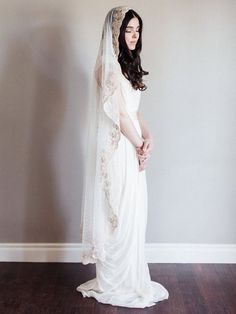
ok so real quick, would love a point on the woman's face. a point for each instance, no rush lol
(132, 33)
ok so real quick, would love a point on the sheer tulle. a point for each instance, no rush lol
(98, 214)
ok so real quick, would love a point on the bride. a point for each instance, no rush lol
(115, 202)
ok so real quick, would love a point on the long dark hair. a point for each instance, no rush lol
(130, 60)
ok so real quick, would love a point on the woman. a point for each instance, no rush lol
(114, 207)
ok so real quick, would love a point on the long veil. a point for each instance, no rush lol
(98, 211)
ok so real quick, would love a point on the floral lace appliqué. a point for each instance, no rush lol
(117, 18)
(106, 181)
(92, 254)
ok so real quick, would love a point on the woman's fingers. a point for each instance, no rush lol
(148, 144)
(145, 146)
(142, 167)
(143, 162)
(144, 157)
(143, 154)
(140, 151)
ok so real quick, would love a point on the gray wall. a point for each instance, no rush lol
(46, 58)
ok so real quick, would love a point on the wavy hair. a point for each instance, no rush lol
(130, 60)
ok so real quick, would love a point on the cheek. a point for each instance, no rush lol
(127, 37)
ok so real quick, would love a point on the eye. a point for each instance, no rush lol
(128, 31)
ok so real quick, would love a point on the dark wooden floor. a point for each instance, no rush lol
(49, 288)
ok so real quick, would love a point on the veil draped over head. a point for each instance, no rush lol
(99, 215)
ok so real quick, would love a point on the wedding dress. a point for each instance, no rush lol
(123, 277)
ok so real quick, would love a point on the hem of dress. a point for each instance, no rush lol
(137, 300)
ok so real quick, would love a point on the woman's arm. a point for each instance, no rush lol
(145, 131)
(127, 127)
(146, 134)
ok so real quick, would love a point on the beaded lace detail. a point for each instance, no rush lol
(117, 18)
(114, 136)
(93, 254)
(106, 182)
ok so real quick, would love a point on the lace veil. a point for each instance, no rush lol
(99, 217)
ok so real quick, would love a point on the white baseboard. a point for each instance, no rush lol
(154, 252)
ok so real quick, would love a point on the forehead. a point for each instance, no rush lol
(134, 22)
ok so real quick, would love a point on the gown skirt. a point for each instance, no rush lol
(123, 279)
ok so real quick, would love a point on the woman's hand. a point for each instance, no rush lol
(142, 158)
(143, 162)
(147, 145)
(143, 153)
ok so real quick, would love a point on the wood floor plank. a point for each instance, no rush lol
(50, 288)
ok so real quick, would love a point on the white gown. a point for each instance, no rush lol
(124, 278)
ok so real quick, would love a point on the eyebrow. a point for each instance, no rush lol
(132, 26)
